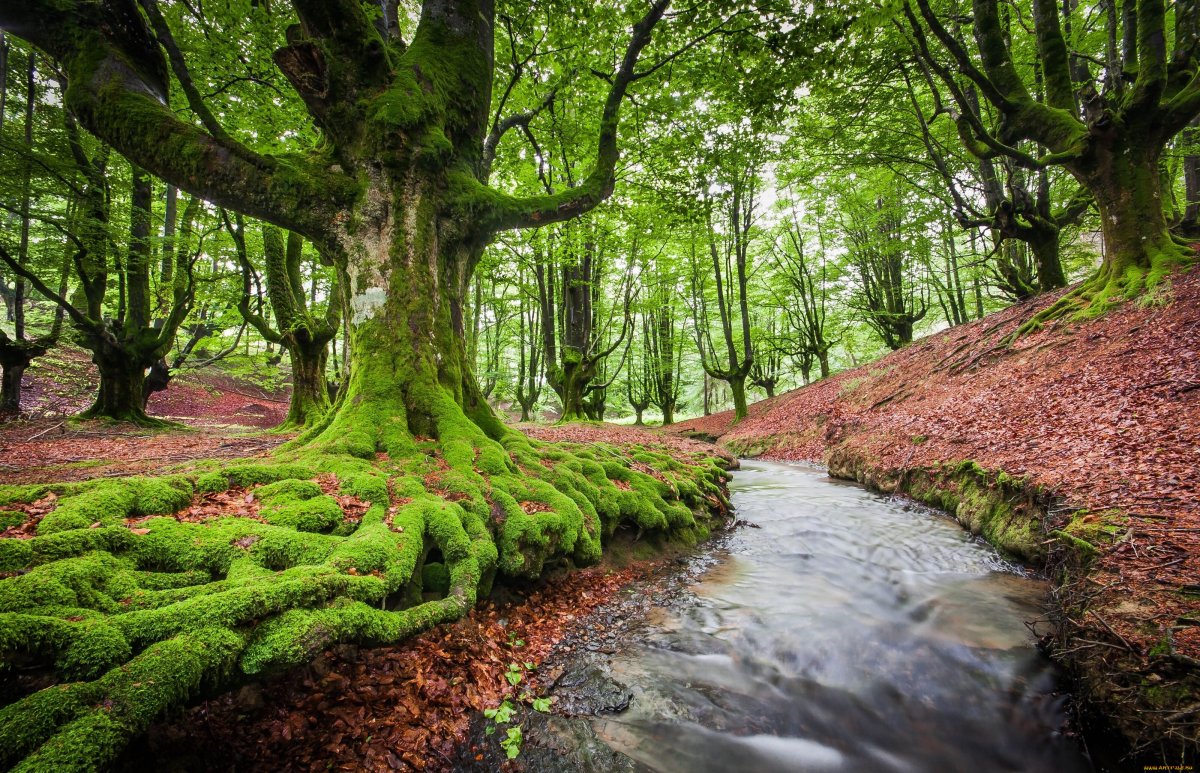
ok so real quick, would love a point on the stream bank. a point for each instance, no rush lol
(1074, 447)
(797, 644)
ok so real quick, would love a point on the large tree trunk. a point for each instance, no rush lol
(10, 383)
(410, 375)
(1138, 248)
(15, 357)
(122, 384)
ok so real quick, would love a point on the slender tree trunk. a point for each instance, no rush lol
(1050, 274)
(1191, 177)
(737, 385)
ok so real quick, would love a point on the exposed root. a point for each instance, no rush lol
(135, 611)
(1112, 285)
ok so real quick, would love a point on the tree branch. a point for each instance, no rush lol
(117, 84)
(530, 212)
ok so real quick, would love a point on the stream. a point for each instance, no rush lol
(847, 632)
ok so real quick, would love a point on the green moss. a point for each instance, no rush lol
(299, 504)
(109, 502)
(144, 617)
(23, 494)
(435, 578)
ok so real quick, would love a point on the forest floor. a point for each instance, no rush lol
(401, 707)
(1100, 419)
(221, 417)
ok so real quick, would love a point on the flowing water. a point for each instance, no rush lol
(849, 632)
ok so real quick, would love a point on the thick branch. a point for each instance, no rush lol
(511, 212)
(117, 84)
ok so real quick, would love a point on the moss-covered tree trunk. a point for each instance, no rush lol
(1046, 255)
(737, 386)
(1138, 248)
(310, 392)
(121, 394)
(574, 378)
(410, 375)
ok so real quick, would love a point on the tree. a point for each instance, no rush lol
(880, 246)
(1011, 208)
(406, 126)
(125, 343)
(530, 337)
(304, 333)
(805, 307)
(576, 337)
(396, 194)
(728, 274)
(18, 351)
(1108, 129)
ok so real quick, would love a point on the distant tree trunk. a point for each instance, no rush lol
(1191, 178)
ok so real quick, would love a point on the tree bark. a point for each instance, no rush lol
(737, 385)
(1125, 181)
(310, 391)
(122, 385)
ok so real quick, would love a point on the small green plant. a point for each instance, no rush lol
(506, 711)
(512, 742)
(513, 641)
(500, 715)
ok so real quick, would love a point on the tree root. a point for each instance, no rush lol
(1108, 288)
(136, 610)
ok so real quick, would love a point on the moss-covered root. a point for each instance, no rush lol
(137, 616)
(1115, 282)
(85, 725)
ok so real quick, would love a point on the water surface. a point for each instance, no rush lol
(849, 632)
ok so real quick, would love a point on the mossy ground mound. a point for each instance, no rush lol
(132, 610)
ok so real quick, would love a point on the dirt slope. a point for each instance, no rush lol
(1078, 446)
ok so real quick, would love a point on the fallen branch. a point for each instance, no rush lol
(43, 432)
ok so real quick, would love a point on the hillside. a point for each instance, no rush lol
(1075, 448)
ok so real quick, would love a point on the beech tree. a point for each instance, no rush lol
(395, 198)
(17, 351)
(725, 272)
(395, 194)
(577, 335)
(1105, 116)
(299, 329)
